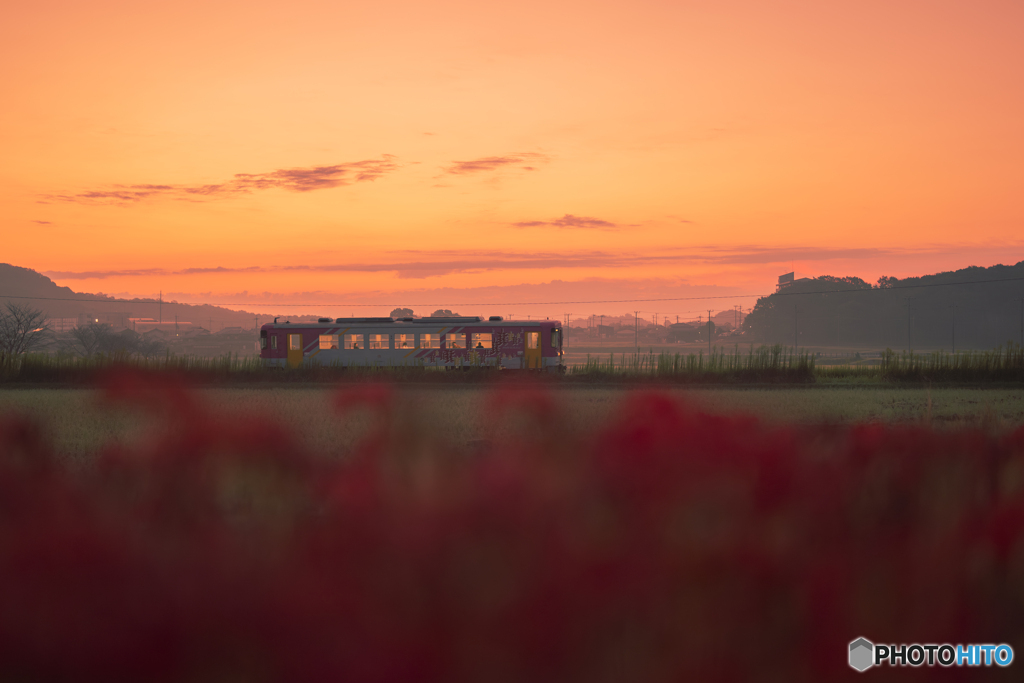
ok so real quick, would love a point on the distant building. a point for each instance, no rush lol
(233, 331)
(116, 319)
(788, 279)
(61, 324)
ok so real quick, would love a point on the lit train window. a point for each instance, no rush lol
(380, 341)
(533, 340)
(455, 340)
(480, 340)
(355, 341)
(430, 341)
(405, 341)
(294, 342)
(328, 341)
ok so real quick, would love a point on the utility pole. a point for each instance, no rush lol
(636, 330)
(796, 328)
(909, 307)
(953, 327)
(175, 326)
(709, 334)
(161, 317)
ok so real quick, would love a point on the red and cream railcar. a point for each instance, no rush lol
(433, 342)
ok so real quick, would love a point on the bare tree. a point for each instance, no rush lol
(89, 339)
(22, 329)
(151, 347)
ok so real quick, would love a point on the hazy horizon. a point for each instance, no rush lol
(500, 158)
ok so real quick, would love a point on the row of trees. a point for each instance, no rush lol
(969, 308)
(23, 330)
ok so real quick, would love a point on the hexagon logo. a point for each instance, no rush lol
(862, 654)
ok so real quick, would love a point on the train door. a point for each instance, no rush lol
(533, 360)
(294, 350)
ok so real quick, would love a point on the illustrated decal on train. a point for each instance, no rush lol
(427, 342)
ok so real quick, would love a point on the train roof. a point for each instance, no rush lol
(449, 320)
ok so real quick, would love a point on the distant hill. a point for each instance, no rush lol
(973, 307)
(63, 302)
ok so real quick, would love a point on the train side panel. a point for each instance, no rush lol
(509, 346)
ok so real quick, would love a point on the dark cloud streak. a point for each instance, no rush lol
(291, 179)
(572, 222)
(445, 262)
(486, 164)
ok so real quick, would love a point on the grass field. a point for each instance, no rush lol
(77, 424)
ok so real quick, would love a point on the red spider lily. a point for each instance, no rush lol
(671, 545)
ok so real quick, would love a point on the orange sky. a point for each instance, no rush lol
(468, 153)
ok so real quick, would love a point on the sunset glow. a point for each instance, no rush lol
(494, 156)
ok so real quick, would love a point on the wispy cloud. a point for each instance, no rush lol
(412, 264)
(571, 221)
(525, 161)
(42, 222)
(292, 179)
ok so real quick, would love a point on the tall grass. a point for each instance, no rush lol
(65, 369)
(764, 364)
(1000, 364)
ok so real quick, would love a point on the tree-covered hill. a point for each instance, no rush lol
(970, 308)
(25, 286)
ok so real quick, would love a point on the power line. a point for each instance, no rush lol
(524, 303)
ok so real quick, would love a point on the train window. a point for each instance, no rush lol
(405, 341)
(533, 340)
(555, 338)
(294, 342)
(380, 341)
(455, 340)
(328, 341)
(263, 341)
(273, 342)
(430, 341)
(480, 340)
(355, 341)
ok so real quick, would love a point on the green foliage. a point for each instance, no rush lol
(765, 364)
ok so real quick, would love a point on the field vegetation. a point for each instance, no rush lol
(78, 425)
(765, 364)
(512, 532)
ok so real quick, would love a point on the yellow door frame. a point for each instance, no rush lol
(294, 355)
(532, 355)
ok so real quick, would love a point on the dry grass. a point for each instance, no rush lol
(77, 425)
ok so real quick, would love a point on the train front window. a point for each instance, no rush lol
(273, 343)
(480, 340)
(328, 341)
(405, 341)
(355, 341)
(380, 341)
(294, 342)
(556, 338)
